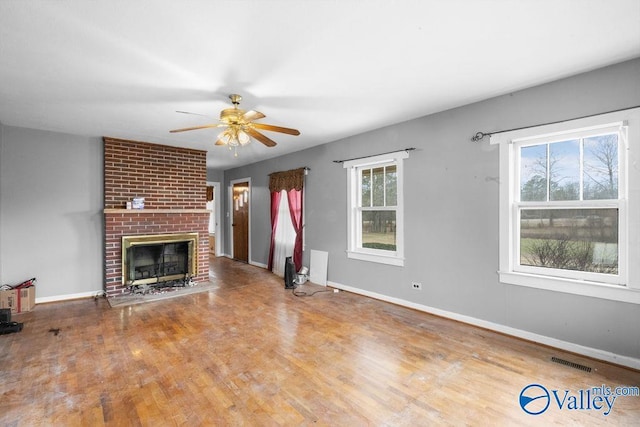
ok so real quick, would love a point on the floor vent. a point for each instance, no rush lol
(571, 364)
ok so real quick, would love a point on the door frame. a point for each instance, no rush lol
(217, 210)
(230, 215)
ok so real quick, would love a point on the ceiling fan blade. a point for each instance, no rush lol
(252, 115)
(213, 125)
(189, 112)
(220, 142)
(273, 128)
(260, 137)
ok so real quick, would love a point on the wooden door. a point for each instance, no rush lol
(240, 222)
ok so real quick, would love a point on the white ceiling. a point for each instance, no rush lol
(330, 68)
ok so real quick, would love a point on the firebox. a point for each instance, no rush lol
(158, 258)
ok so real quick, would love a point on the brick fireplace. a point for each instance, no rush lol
(172, 182)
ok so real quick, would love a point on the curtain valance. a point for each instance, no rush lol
(287, 180)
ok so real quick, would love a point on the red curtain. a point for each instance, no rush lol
(292, 181)
(275, 203)
(295, 209)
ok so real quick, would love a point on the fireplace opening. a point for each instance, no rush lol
(158, 259)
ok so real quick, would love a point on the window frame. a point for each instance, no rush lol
(354, 210)
(625, 286)
(618, 203)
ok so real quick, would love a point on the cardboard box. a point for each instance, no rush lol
(27, 298)
(9, 299)
(18, 300)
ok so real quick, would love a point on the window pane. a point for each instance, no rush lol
(570, 239)
(564, 170)
(533, 173)
(391, 186)
(366, 188)
(600, 172)
(379, 230)
(378, 187)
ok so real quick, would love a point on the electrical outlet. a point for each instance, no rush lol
(416, 285)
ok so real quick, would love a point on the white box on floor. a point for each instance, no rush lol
(318, 267)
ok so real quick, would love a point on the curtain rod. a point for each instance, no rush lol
(373, 155)
(306, 169)
(480, 135)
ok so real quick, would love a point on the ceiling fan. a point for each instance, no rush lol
(240, 126)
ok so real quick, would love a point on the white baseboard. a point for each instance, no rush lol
(258, 264)
(91, 294)
(595, 353)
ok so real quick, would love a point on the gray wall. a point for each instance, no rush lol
(214, 175)
(51, 211)
(451, 212)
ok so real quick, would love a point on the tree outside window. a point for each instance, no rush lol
(554, 231)
(378, 204)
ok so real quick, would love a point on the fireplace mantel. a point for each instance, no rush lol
(163, 211)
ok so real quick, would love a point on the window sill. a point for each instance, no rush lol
(575, 287)
(376, 258)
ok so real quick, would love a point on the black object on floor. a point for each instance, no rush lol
(10, 327)
(289, 273)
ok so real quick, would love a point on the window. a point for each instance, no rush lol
(375, 227)
(565, 206)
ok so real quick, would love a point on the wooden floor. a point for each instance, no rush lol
(249, 352)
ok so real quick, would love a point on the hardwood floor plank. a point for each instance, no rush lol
(249, 352)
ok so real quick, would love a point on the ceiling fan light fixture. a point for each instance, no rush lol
(234, 136)
(225, 137)
(243, 138)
